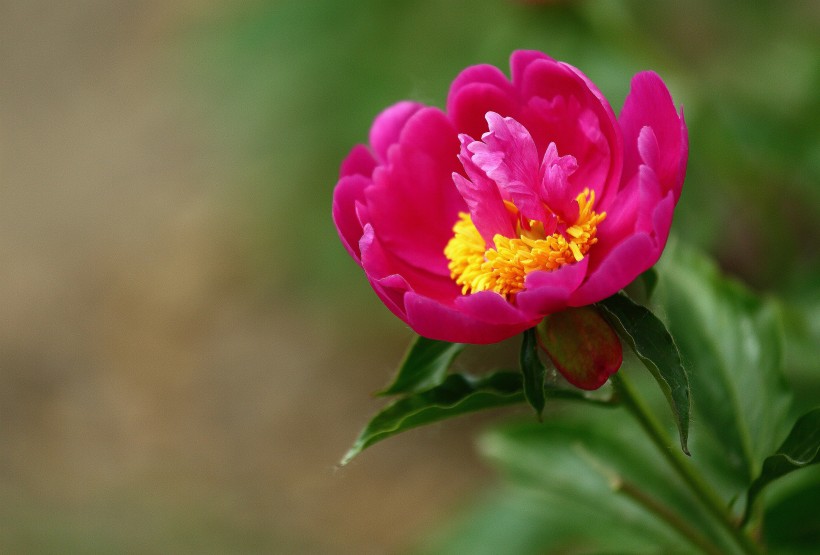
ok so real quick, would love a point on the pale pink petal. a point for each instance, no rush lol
(387, 127)
(649, 104)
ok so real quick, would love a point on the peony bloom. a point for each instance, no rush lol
(526, 197)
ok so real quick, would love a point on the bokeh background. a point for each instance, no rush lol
(186, 350)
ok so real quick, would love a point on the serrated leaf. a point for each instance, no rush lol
(731, 340)
(652, 342)
(458, 394)
(424, 366)
(533, 370)
(801, 448)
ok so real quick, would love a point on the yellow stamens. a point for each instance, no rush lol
(502, 269)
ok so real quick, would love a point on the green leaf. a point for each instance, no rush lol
(424, 366)
(653, 344)
(801, 448)
(732, 342)
(456, 395)
(566, 492)
(533, 370)
(642, 288)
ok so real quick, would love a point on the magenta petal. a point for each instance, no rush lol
(489, 306)
(632, 211)
(621, 266)
(547, 292)
(387, 127)
(349, 190)
(476, 91)
(432, 319)
(487, 209)
(649, 104)
(358, 162)
(520, 60)
(508, 156)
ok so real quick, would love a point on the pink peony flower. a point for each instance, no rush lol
(527, 196)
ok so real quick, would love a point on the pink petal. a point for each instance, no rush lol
(487, 209)
(520, 60)
(413, 203)
(358, 162)
(563, 106)
(432, 319)
(649, 104)
(631, 211)
(548, 292)
(621, 266)
(349, 190)
(508, 156)
(388, 124)
(379, 263)
(489, 306)
(555, 189)
(476, 91)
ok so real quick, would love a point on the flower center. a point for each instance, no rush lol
(502, 269)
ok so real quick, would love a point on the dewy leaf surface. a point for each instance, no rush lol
(424, 366)
(456, 395)
(731, 342)
(652, 342)
(801, 448)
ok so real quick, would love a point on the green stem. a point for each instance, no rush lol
(713, 503)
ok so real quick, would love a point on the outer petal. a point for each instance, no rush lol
(520, 60)
(432, 319)
(476, 91)
(413, 202)
(358, 162)
(563, 106)
(349, 190)
(649, 104)
(548, 292)
(388, 125)
(622, 265)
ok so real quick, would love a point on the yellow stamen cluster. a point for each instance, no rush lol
(502, 269)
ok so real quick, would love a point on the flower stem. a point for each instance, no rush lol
(702, 490)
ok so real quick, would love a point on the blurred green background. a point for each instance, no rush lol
(186, 350)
